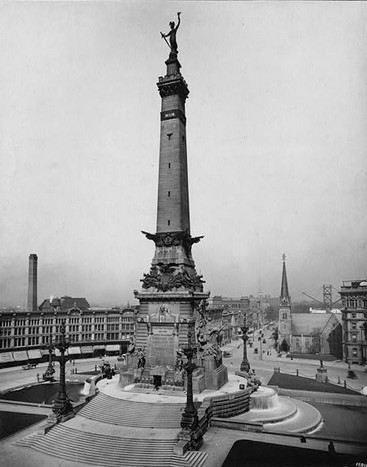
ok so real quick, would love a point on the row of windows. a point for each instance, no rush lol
(355, 315)
(349, 303)
(74, 338)
(20, 322)
(5, 343)
(6, 323)
(70, 329)
(50, 321)
(354, 325)
(113, 336)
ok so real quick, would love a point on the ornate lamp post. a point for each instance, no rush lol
(245, 365)
(50, 370)
(189, 417)
(62, 406)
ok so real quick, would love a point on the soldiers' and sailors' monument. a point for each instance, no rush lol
(139, 418)
(172, 293)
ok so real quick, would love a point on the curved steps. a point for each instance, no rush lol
(107, 409)
(111, 451)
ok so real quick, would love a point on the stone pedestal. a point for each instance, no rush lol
(215, 376)
(127, 377)
(321, 375)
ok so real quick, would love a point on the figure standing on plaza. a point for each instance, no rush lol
(172, 35)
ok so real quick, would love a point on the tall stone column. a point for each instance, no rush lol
(172, 288)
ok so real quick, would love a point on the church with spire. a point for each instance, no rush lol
(306, 333)
(285, 316)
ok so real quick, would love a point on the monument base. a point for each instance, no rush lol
(215, 375)
(153, 377)
(205, 377)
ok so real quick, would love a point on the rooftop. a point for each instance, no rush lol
(355, 284)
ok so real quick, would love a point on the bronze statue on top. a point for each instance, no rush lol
(172, 35)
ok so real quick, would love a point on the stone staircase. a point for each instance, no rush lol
(104, 450)
(122, 412)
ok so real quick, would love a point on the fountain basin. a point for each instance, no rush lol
(264, 398)
(280, 413)
(42, 393)
(86, 388)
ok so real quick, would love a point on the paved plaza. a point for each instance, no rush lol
(217, 441)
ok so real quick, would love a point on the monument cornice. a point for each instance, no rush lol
(171, 85)
(178, 238)
(170, 296)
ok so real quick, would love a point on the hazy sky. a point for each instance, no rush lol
(276, 132)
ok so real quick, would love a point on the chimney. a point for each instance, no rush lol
(32, 283)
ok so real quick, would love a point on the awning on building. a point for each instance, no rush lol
(99, 347)
(44, 352)
(20, 356)
(6, 357)
(86, 349)
(74, 351)
(34, 354)
(113, 347)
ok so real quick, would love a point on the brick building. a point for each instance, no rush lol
(91, 331)
(354, 312)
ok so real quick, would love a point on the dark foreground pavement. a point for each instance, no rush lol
(258, 454)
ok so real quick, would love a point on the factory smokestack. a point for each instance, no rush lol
(32, 283)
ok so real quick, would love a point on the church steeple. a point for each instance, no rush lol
(285, 315)
(285, 299)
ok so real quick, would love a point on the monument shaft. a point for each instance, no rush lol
(173, 194)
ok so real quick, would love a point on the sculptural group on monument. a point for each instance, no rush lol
(209, 338)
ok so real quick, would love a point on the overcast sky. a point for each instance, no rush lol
(276, 134)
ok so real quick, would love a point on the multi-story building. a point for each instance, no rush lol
(91, 331)
(234, 310)
(354, 316)
(230, 304)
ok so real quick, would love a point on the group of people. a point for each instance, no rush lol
(107, 371)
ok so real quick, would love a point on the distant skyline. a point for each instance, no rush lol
(276, 139)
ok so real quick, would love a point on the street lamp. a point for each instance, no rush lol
(261, 346)
(190, 419)
(50, 370)
(245, 365)
(62, 406)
